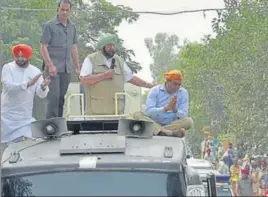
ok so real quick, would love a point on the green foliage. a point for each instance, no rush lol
(227, 76)
(25, 26)
(163, 50)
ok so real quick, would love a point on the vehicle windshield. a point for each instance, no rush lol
(94, 184)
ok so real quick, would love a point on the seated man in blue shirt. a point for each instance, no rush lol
(167, 105)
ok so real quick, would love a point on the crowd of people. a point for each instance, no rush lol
(249, 174)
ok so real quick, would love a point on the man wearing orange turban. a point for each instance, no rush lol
(167, 105)
(26, 51)
(20, 82)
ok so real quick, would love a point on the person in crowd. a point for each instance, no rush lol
(246, 164)
(264, 178)
(208, 156)
(244, 184)
(223, 167)
(235, 171)
(254, 175)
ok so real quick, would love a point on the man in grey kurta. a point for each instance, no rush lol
(60, 54)
(244, 184)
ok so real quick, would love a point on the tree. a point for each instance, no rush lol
(163, 50)
(188, 61)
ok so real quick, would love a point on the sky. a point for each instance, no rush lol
(190, 26)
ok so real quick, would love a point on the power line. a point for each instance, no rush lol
(134, 12)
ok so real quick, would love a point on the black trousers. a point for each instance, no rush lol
(55, 98)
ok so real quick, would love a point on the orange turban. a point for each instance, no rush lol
(174, 75)
(26, 50)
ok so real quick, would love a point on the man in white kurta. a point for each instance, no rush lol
(20, 82)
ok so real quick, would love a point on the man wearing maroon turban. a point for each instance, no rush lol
(20, 82)
(167, 107)
(244, 184)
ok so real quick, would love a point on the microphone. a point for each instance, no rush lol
(113, 63)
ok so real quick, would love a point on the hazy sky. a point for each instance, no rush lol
(191, 26)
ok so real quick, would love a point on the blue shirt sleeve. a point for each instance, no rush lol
(183, 104)
(151, 108)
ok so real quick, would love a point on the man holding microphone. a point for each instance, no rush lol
(104, 73)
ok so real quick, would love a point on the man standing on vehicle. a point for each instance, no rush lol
(104, 74)
(167, 106)
(59, 51)
(20, 81)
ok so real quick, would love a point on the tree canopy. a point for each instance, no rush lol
(24, 25)
(163, 50)
(93, 19)
(226, 76)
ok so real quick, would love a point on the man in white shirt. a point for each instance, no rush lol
(208, 156)
(104, 74)
(20, 82)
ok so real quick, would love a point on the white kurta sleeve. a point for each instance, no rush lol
(39, 91)
(128, 72)
(8, 83)
(86, 68)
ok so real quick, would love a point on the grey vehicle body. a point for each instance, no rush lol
(97, 164)
(223, 189)
(204, 167)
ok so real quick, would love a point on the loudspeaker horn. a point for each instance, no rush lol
(135, 128)
(53, 127)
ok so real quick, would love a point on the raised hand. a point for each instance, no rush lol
(34, 80)
(46, 82)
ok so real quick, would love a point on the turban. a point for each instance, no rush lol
(108, 39)
(26, 50)
(245, 171)
(175, 75)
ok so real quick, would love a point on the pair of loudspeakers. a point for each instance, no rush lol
(56, 127)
